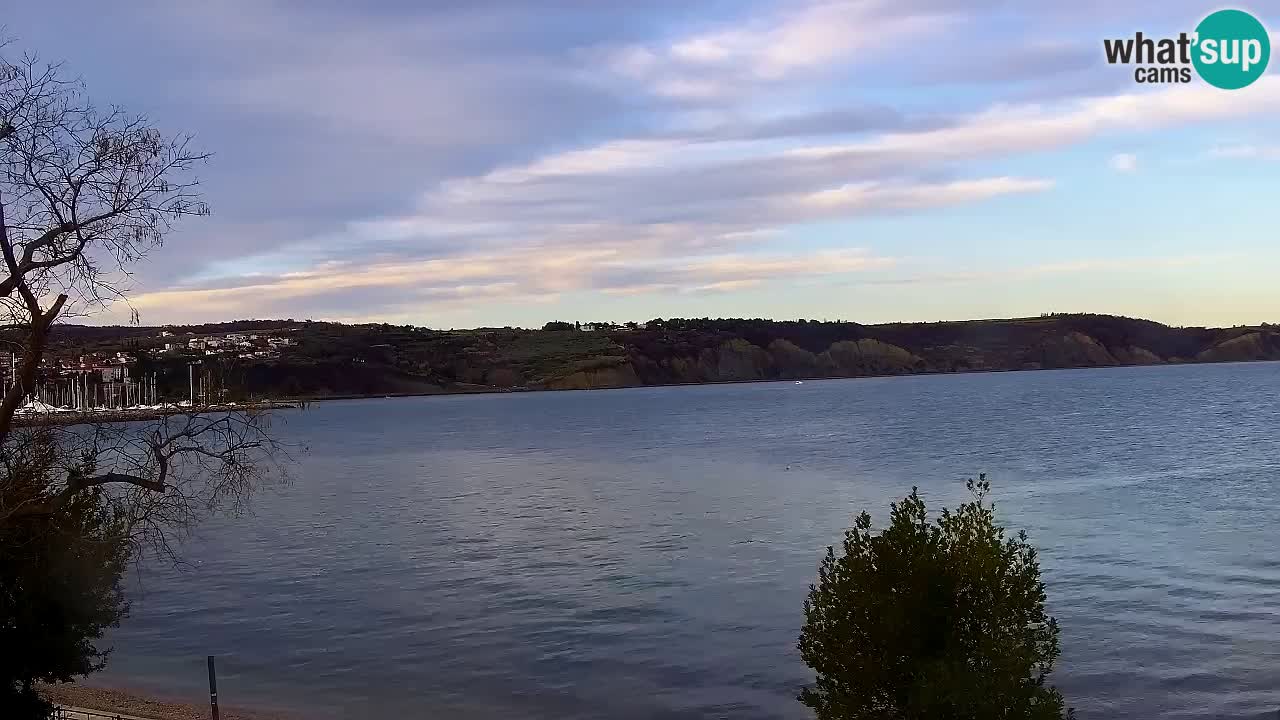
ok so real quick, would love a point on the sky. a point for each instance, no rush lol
(510, 162)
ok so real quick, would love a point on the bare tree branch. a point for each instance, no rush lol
(76, 485)
(84, 193)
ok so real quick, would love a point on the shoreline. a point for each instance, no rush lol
(139, 415)
(111, 701)
(493, 390)
(300, 402)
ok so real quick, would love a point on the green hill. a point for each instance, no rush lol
(332, 359)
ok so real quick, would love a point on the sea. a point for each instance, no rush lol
(645, 552)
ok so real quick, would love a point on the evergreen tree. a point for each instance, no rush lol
(59, 580)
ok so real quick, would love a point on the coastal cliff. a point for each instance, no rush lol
(332, 359)
(607, 373)
(1250, 346)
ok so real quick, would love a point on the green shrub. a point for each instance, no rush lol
(60, 576)
(931, 620)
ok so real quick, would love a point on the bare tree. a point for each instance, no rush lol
(84, 193)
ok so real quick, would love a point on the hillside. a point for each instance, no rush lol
(331, 359)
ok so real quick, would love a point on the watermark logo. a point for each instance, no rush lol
(1229, 49)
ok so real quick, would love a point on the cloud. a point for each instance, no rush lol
(724, 62)
(382, 158)
(663, 214)
(1124, 162)
(558, 255)
(1010, 129)
(764, 183)
(531, 274)
(420, 291)
(1042, 62)
(851, 120)
(871, 197)
(1084, 266)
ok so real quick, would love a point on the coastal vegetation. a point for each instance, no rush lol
(60, 573)
(332, 360)
(85, 193)
(941, 619)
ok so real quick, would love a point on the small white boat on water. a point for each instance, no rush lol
(799, 382)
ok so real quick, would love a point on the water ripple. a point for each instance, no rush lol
(644, 553)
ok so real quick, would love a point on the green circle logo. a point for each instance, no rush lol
(1232, 49)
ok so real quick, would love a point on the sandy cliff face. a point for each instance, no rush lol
(738, 360)
(1074, 349)
(615, 376)
(1134, 355)
(868, 357)
(1252, 346)
(732, 360)
(1080, 350)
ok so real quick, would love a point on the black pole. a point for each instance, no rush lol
(213, 689)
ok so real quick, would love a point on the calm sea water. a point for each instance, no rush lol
(645, 553)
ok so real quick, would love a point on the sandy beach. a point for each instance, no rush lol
(111, 701)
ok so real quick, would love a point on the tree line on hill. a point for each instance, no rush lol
(333, 359)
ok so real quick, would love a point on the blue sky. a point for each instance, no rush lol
(509, 162)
